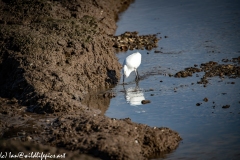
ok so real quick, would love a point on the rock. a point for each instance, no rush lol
(198, 104)
(61, 42)
(28, 138)
(226, 106)
(205, 99)
(146, 101)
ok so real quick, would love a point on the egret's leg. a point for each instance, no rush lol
(137, 76)
(123, 79)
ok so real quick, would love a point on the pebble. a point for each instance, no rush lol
(23, 133)
(145, 101)
(226, 106)
(28, 138)
(205, 99)
(198, 104)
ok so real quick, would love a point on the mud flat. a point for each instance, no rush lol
(52, 54)
(212, 69)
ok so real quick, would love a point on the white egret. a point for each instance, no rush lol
(131, 63)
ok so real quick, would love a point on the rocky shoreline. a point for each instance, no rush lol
(52, 54)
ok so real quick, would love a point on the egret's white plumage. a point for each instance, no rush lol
(131, 63)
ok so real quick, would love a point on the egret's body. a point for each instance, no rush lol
(131, 63)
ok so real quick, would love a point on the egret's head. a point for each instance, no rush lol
(126, 71)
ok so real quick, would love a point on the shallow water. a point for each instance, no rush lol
(197, 32)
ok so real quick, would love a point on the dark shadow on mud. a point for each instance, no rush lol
(12, 82)
(112, 77)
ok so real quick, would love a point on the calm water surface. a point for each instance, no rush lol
(197, 32)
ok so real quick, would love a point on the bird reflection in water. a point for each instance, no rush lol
(134, 95)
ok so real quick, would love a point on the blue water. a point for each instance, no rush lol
(197, 32)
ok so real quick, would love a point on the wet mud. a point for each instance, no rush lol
(11, 148)
(131, 41)
(52, 54)
(212, 69)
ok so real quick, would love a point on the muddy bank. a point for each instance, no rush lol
(11, 148)
(53, 49)
(52, 54)
(86, 132)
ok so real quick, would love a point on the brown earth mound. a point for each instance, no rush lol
(52, 53)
